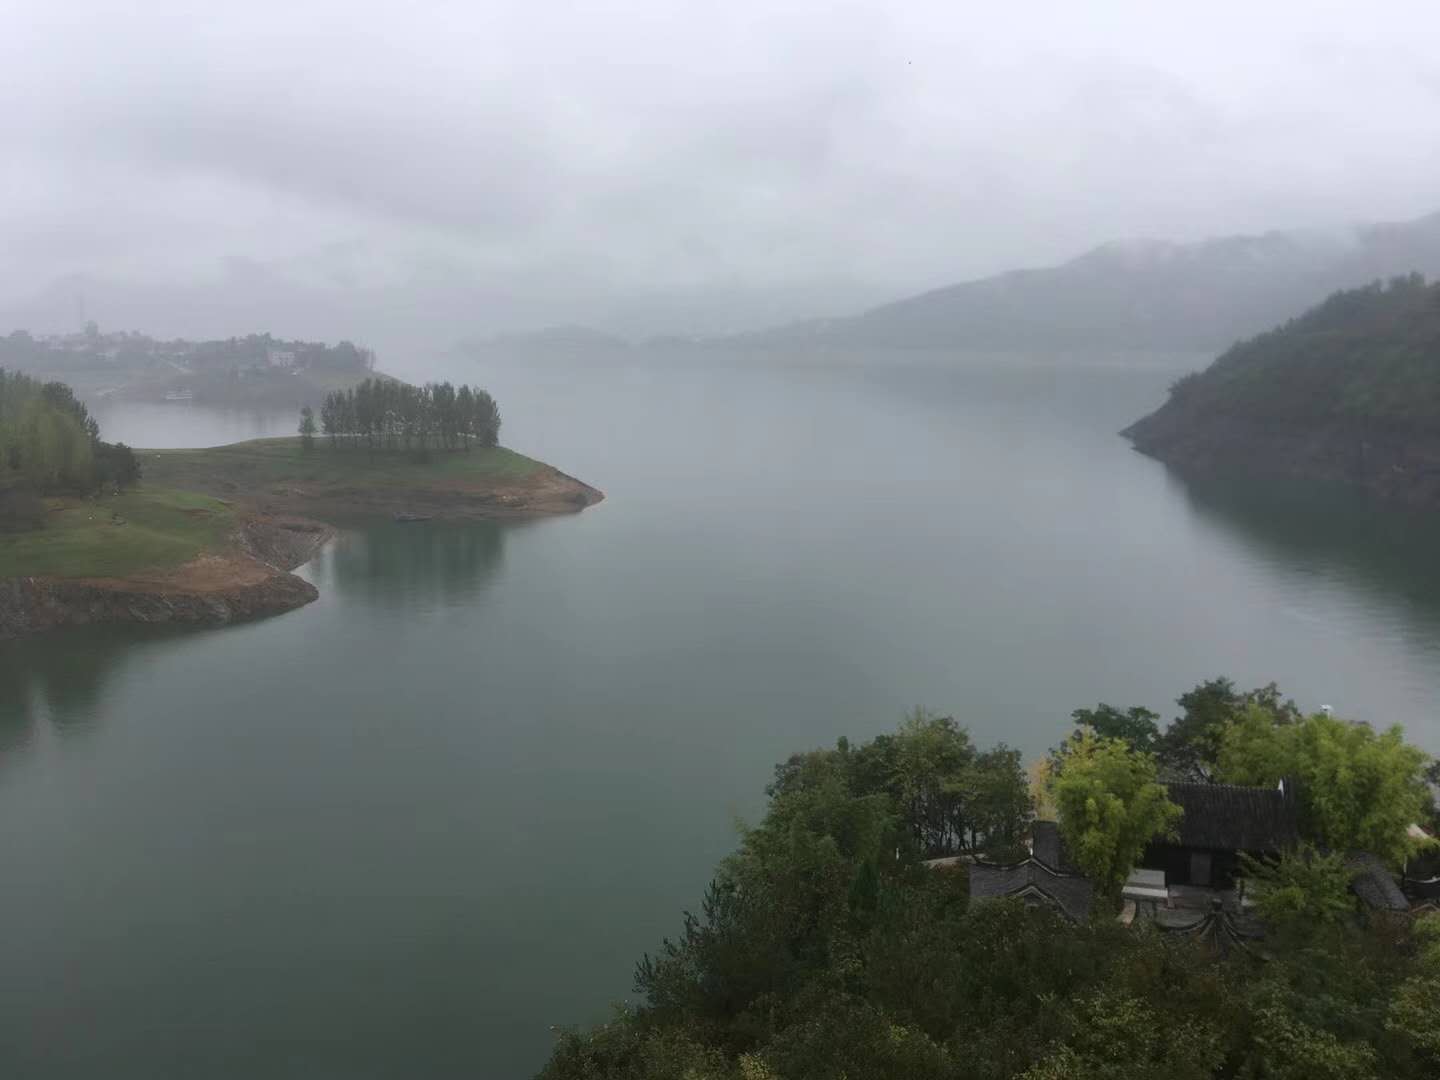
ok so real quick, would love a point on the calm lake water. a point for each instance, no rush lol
(405, 830)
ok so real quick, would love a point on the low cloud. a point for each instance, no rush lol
(647, 164)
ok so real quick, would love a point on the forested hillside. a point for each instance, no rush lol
(1349, 391)
(826, 947)
(1369, 356)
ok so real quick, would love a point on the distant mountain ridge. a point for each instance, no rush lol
(1140, 294)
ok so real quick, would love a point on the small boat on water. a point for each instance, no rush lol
(179, 395)
(404, 515)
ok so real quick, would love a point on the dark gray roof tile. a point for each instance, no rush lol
(1374, 884)
(1069, 892)
(1047, 846)
(1225, 817)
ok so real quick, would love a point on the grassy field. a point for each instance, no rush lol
(176, 512)
(280, 463)
(116, 535)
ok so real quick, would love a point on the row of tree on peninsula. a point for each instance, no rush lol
(385, 414)
(826, 946)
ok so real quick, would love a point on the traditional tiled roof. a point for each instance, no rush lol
(1220, 930)
(1032, 878)
(1229, 818)
(1374, 884)
(1046, 845)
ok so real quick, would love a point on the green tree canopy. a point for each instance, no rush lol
(1117, 1036)
(385, 413)
(1357, 790)
(1134, 726)
(826, 948)
(1303, 890)
(953, 797)
(1415, 1010)
(49, 442)
(1110, 806)
(307, 427)
(950, 796)
(1364, 356)
(1190, 747)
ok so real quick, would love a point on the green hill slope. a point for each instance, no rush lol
(1349, 391)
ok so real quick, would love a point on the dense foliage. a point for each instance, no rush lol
(1357, 790)
(824, 947)
(1190, 747)
(1301, 891)
(1110, 805)
(1135, 726)
(384, 413)
(49, 442)
(1368, 357)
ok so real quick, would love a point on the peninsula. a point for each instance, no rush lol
(209, 536)
(1348, 392)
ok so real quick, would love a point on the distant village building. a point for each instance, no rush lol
(280, 358)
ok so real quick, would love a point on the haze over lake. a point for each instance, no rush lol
(402, 830)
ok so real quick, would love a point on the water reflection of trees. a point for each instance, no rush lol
(419, 564)
(1321, 528)
(60, 676)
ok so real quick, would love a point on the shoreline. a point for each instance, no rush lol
(274, 477)
(212, 589)
(1396, 467)
(548, 493)
(278, 526)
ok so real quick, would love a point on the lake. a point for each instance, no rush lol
(405, 830)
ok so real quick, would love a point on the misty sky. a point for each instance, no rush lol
(650, 166)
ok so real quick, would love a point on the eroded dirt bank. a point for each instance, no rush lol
(250, 581)
(280, 496)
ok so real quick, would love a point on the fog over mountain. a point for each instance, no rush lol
(417, 175)
(1148, 294)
